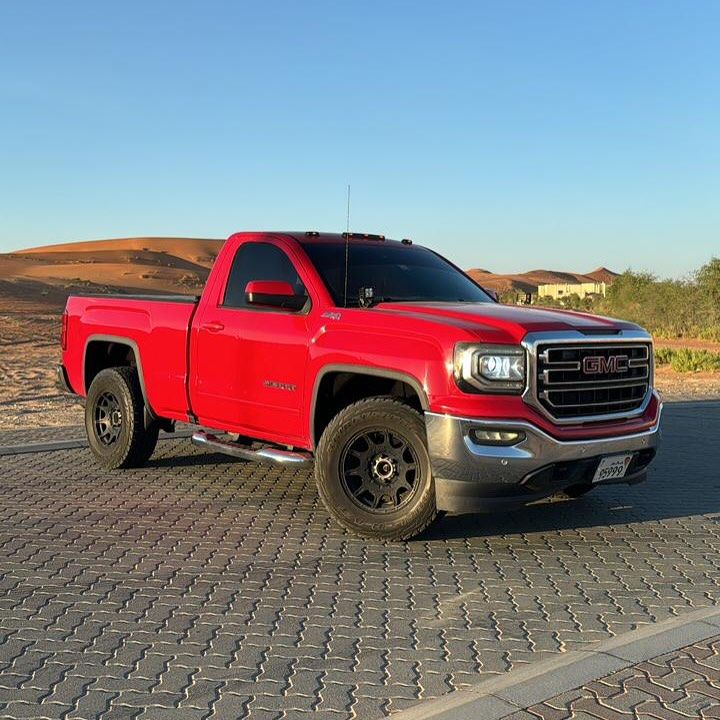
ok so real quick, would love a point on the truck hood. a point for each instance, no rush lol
(505, 323)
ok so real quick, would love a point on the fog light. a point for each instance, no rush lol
(496, 437)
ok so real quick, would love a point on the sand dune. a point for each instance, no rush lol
(528, 282)
(147, 264)
(197, 250)
(135, 257)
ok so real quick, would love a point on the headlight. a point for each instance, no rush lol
(490, 368)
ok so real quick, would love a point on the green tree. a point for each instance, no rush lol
(708, 283)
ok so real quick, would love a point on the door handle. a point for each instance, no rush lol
(213, 326)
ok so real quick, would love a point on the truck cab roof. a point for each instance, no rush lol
(308, 237)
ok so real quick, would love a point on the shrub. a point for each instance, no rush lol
(711, 333)
(663, 356)
(687, 360)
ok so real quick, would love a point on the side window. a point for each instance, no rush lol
(259, 261)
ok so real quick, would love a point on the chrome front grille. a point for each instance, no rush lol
(592, 380)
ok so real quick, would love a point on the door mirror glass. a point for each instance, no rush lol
(273, 294)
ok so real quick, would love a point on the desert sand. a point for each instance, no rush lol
(146, 264)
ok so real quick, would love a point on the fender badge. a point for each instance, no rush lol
(290, 387)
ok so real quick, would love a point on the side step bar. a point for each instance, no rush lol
(270, 455)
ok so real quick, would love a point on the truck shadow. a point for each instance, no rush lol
(199, 459)
(684, 480)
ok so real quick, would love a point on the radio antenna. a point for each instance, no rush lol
(347, 245)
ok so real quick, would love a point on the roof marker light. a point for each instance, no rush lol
(363, 236)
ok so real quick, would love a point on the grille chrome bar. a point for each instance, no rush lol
(579, 405)
(635, 380)
(544, 355)
(564, 366)
(593, 385)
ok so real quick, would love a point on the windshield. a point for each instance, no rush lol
(396, 273)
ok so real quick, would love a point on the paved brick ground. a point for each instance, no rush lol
(680, 685)
(11, 438)
(14, 438)
(223, 590)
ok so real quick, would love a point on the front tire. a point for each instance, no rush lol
(373, 470)
(115, 420)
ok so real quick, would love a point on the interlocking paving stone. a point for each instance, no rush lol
(200, 586)
(684, 683)
(60, 438)
(8, 438)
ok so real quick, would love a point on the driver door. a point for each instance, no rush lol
(250, 359)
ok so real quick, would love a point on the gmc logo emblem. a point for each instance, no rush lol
(596, 364)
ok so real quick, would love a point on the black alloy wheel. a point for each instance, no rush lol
(107, 418)
(119, 431)
(373, 471)
(379, 470)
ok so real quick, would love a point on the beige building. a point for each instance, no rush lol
(562, 290)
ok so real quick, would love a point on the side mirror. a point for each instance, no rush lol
(274, 294)
(493, 294)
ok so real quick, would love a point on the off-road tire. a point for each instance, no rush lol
(134, 443)
(413, 515)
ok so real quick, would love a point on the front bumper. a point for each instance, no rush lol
(471, 477)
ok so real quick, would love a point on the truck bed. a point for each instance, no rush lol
(156, 327)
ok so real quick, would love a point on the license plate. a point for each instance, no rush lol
(613, 467)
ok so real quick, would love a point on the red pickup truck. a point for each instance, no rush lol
(410, 388)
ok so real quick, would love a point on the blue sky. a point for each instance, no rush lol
(508, 135)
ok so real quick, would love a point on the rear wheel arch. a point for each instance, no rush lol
(106, 351)
(338, 386)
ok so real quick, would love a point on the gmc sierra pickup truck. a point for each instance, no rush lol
(406, 384)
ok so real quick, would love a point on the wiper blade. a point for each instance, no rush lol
(388, 298)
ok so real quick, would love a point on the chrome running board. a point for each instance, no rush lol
(268, 454)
